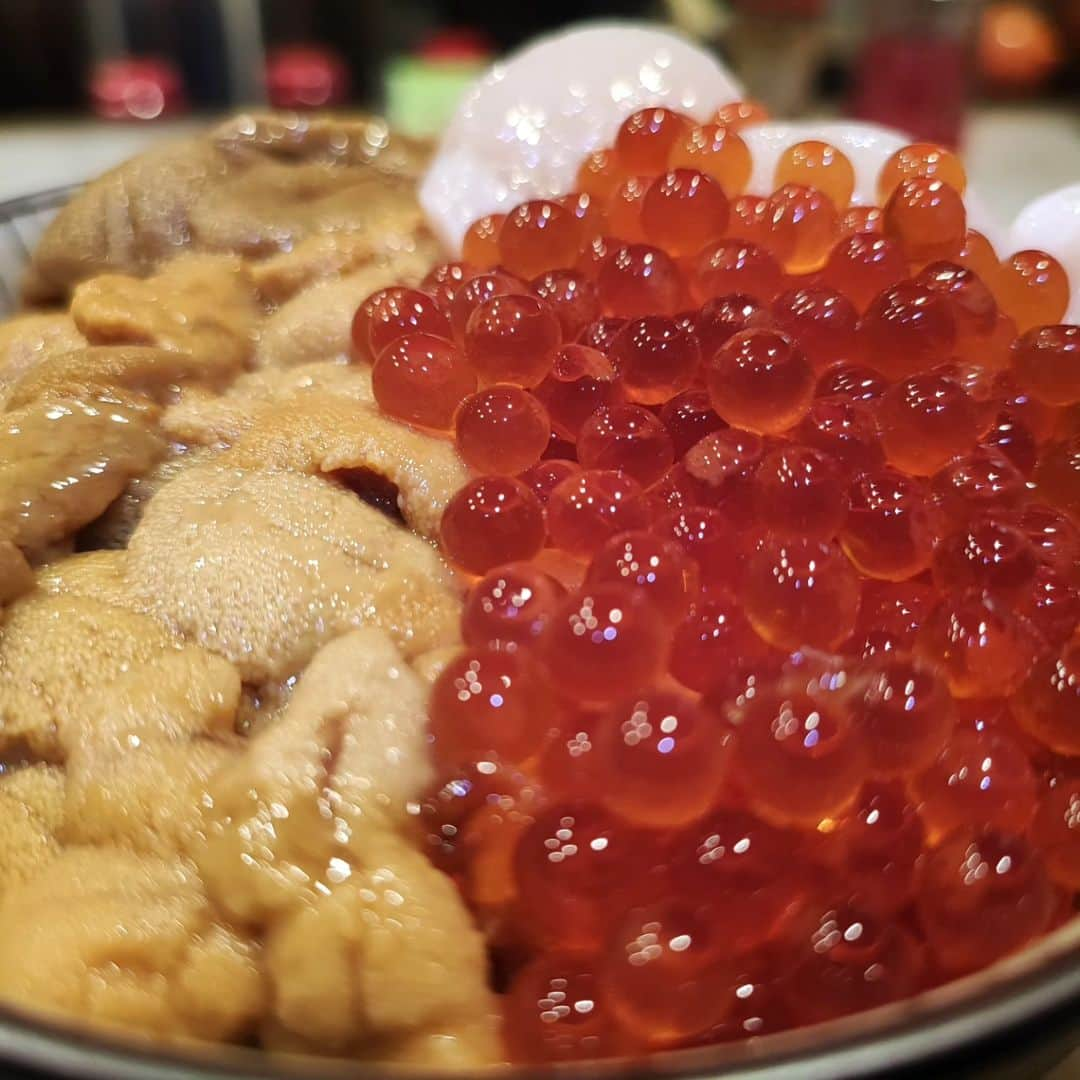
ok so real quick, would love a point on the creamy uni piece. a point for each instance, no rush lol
(214, 646)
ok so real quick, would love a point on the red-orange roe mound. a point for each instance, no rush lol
(847, 960)
(557, 1009)
(422, 379)
(713, 642)
(978, 254)
(656, 358)
(572, 295)
(906, 328)
(775, 636)
(366, 313)
(661, 758)
(982, 893)
(629, 438)
(502, 429)
(747, 870)
(1048, 705)
(803, 225)
(904, 715)
(739, 114)
(980, 482)
(1032, 289)
(921, 159)
(480, 247)
(603, 643)
(823, 321)
(403, 312)
(1055, 537)
(623, 209)
(509, 607)
(670, 971)
(927, 218)
(798, 492)
(736, 266)
(637, 279)
(646, 137)
(863, 264)
(877, 847)
(512, 339)
(537, 236)
(546, 475)
(492, 520)
(592, 505)
(1046, 363)
(1055, 832)
(488, 703)
(857, 219)
(582, 380)
(476, 291)
(925, 421)
(599, 174)
(444, 280)
(716, 150)
(572, 865)
(752, 223)
(722, 317)
(800, 593)
(817, 164)
(1057, 476)
(658, 568)
(847, 430)
(853, 382)
(985, 554)
(981, 648)
(590, 211)
(683, 210)
(689, 417)
(798, 756)
(760, 380)
(973, 305)
(707, 536)
(891, 525)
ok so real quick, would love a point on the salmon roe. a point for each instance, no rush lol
(767, 704)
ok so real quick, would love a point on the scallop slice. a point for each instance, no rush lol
(522, 130)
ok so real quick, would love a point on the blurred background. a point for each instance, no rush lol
(1000, 79)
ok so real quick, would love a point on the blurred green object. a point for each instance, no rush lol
(422, 94)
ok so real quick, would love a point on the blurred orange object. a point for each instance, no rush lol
(1019, 47)
(137, 88)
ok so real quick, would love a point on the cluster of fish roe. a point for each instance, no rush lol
(769, 703)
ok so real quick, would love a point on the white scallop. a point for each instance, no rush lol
(1052, 224)
(522, 130)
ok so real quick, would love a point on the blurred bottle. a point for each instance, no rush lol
(423, 89)
(137, 88)
(306, 77)
(777, 47)
(914, 71)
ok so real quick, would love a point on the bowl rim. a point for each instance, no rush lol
(1029, 985)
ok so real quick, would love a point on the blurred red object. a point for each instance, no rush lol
(137, 88)
(460, 45)
(1019, 47)
(914, 72)
(305, 77)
